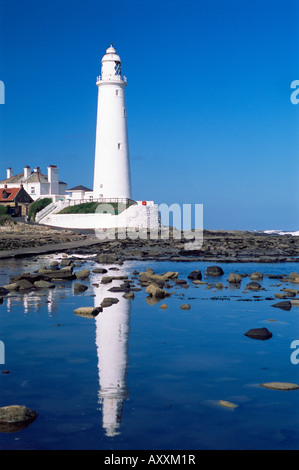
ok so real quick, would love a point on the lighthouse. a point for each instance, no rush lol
(112, 178)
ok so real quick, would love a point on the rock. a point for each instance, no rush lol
(53, 264)
(129, 295)
(214, 271)
(108, 301)
(49, 274)
(88, 312)
(12, 286)
(259, 333)
(14, 418)
(219, 285)
(286, 305)
(27, 276)
(119, 289)
(99, 270)
(185, 307)
(23, 284)
(163, 306)
(253, 286)
(256, 276)
(65, 262)
(79, 287)
(180, 282)
(155, 291)
(195, 275)
(149, 271)
(234, 278)
(227, 404)
(294, 275)
(170, 275)
(280, 386)
(44, 285)
(284, 295)
(109, 258)
(295, 302)
(83, 274)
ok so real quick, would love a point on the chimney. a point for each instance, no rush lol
(37, 169)
(27, 171)
(53, 179)
(8, 173)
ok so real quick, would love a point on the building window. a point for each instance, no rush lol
(32, 190)
(124, 111)
(101, 185)
(117, 92)
(119, 146)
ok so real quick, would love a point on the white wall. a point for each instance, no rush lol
(134, 216)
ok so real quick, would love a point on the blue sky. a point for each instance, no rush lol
(208, 99)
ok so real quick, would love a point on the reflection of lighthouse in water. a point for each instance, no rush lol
(112, 334)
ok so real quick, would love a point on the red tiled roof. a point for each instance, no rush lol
(11, 194)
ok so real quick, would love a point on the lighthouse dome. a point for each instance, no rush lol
(111, 55)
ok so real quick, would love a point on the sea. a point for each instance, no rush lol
(141, 377)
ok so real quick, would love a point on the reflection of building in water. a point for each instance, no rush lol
(33, 301)
(112, 335)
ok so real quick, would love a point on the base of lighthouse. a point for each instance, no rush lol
(140, 215)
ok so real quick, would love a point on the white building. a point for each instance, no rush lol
(35, 183)
(112, 179)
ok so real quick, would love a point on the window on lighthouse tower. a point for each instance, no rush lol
(117, 68)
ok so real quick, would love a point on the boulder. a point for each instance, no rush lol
(53, 264)
(214, 271)
(9, 287)
(99, 270)
(259, 333)
(256, 276)
(280, 386)
(49, 274)
(108, 301)
(23, 284)
(78, 287)
(109, 258)
(83, 274)
(234, 278)
(65, 262)
(43, 285)
(129, 295)
(294, 275)
(285, 305)
(185, 307)
(253, 286)
(14, 418)
(87, 312)
(284, 295)
(155, 291)
(195, 275)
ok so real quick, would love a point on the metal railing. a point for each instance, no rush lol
(123, 200)
(112, 78)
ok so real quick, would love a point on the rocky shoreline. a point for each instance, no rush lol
(218, 245)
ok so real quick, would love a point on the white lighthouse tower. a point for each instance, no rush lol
(112, 166)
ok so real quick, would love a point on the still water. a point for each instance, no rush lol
(141, 377)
